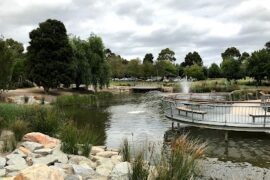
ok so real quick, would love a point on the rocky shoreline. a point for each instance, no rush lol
(39, 157)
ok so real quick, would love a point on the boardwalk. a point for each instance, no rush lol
(252, 116)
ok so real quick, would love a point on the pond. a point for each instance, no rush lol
(139, 118)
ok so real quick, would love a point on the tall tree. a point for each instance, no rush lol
(166, 54)
(267, 45)
(231, 52)
(6, 64)
(230, 69)
(134, 68)
(148, 58)
(49, 55)
(193, 58)
(214, 71)
(81, 66)
(258, 65)
(195, 71)
(98, 66)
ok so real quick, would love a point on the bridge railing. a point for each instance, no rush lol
(227, 114)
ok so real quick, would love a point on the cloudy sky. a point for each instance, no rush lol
(133, 28)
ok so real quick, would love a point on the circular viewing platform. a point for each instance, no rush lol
(217, 112)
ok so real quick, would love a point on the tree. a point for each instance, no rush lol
(267, 45)
(148, 69)
(165, 69)
(166, 54)
(82, 71)
(49, 55)
(230, 69)
(195, 71)
(193, 58)
(231, 52)
(117, 66)
(134, 68)
(214, 71)
(148, 58)
(258, 65)
(6, 64)
(99, 69)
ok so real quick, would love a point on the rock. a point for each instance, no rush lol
(2, 172)
(83, 170)
(48, 160)
(113, 150)
(40, 172)
(43, 151)
(22, 151)
(18, 161)
(121, 171)
(16, 167)
(2, 162)
(60, 156)
(76, 159)
(96, 149)
(43, 139)
(105, 162)
(7, 135)
(107, 154)
(32, 146)
(116, 159)
(12, 174)
(104, 170)
(66, 167)
(73, 177)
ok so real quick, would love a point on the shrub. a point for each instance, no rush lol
(125, 151)
(69, 136)
(140, 168)
(19, 127)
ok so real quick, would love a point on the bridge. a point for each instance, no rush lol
(215, 112)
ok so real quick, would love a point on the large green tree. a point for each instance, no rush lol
(100, 74)
(49, 61)
(148, 58)
(166, 54)
(195, 71)
(230, 69)
(231, 52)
(134, 68)
(258, 65)
(193, 58)
(82, 71)
(214, 71)
(6, 64)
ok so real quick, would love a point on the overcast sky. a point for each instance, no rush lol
(134, 28)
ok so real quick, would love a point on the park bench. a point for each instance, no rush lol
(188, 110)
(254, 116)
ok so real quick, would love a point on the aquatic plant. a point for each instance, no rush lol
(125, 151)
(140, 167)
(76, 101)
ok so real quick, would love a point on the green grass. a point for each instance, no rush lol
(125, 151)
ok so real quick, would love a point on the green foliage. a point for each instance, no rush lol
(6, 64)
(69, 137)
(193, 58)
(214, 71)
(134, 68)
(148, 58)
(231, 53)
(117, 66)
(20, 128)
(44, 119)
(195, 71)
(230, 69)
(140, 170)
(258, 65)
(166, 68)
(166, 55)
(49, 55)
(125, 151)
(76, 101)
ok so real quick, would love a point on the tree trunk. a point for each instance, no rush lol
(46, 89)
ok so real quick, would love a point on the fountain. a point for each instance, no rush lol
(185, 85)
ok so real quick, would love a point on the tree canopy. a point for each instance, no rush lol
(166, 54)
(193, 58)
(214, 71)
(231, 52)
(6, 64)
(258, 65)
(195, 71)
(230, 69)
(49, 55)
(148, 58)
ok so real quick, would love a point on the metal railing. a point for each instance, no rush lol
(250, 114)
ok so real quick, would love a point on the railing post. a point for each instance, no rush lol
(265, 110)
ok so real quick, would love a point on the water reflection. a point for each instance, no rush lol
(241, 146)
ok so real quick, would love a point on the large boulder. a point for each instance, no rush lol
(40, 172)
(43, 139)
(83, 170)
(121, 171)
(3, 162)
(32, 146)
